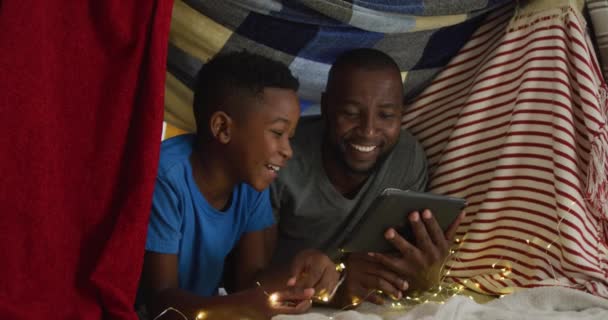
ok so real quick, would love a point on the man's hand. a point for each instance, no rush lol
(364, 277)
(313, 269)
(420, 264)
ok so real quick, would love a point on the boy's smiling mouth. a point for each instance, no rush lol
(273, 167)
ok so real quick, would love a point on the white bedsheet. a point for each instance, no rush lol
(550, 303)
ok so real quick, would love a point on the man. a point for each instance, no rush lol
(328, 186)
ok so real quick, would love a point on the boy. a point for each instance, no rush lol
(210, 197)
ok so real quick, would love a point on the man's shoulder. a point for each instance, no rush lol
(408, 146)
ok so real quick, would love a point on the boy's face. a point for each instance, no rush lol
(363, 110)
(261, 139)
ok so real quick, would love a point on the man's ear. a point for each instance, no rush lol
(220, 125)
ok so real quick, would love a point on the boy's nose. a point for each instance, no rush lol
(286, 150)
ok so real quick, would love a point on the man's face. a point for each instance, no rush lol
(362, 109)
(261, 140)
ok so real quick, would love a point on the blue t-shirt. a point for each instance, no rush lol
(182, 222)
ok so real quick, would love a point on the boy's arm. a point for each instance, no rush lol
(161, 291)
(309, 269)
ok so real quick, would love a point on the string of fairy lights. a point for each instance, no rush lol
(439, 293)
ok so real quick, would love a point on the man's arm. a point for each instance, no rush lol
(161, 291)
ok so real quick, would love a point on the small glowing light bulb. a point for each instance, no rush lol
(527, 241)
(325, 298)
(493, 265)
(201, 315)
(273, 298)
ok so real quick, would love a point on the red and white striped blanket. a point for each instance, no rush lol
(516, 124)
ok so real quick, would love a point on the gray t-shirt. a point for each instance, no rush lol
(311, 213)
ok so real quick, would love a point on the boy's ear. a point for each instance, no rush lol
(220, 124)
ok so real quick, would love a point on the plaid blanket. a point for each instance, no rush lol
(516, 124)
(307, 35)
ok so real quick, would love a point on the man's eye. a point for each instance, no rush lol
(387, 115)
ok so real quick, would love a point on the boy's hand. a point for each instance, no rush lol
(422, 263)
(313, 269)
(364, 277)
(290, 301)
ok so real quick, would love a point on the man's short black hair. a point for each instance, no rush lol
(362, 58)
(239, 75)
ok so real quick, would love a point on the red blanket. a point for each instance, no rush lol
(81, 98)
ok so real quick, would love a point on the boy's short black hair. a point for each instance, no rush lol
(362, 58)
(239, 75)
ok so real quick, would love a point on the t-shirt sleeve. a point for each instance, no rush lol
(261, 213)
(164, 228)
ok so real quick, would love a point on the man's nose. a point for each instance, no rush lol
(367, 127)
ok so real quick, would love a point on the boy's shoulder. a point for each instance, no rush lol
(174, 152)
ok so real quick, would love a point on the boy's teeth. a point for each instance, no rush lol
(274, 168)
(363, 148)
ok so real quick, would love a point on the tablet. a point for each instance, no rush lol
(390, 209)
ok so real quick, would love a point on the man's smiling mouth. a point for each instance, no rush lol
(362, 148)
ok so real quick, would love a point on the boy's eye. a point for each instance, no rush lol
(350, 113)
(277, 133)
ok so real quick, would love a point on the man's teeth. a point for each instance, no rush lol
(363, 148)
(274, 168)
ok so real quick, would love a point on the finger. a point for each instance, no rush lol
(451, 232)
(373, 282)
(405, 267)
(328, 281)
(434, 230)
(290, 307)
(423, 241)
(406, 249)
(393, 278)
(360, 294)
(305, 281)
(374, 298)
(303, 306)
(298, 267)
(294, 295)
(292, 281)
